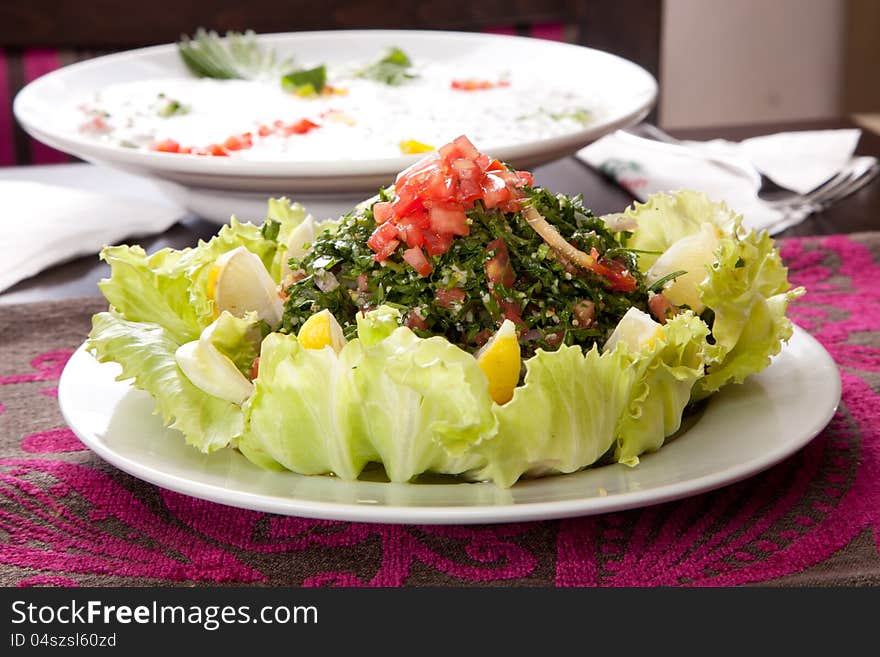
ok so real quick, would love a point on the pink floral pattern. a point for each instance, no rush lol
(67, 518)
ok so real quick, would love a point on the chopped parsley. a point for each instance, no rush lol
(340, 274)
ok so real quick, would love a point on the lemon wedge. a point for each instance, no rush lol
(321, 330)
(691, 254)
(635, 329)
(500, 361)
(239, 283)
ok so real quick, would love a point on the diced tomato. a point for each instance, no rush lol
(660, 307)
(382, 212)
(186, 150)
(473, 84)
(217, 150)
(167, 146)
(450, 152)
(495, 190)
(618, 276)
(498, 267)
(437, 244)
(415, 321)
(264, 131)
(235, 143)
(448, 218)
(526, 178)
(446, 298)
(585, 313)
(495, 165)
(466, 148)
(416, 258)
(407, 202)
(411, 229)
(511, 311)
(439, 186)
(384, 241)
(300, 127)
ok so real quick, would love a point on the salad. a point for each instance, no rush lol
(463, 321)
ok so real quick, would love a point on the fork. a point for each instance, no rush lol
(858, 173)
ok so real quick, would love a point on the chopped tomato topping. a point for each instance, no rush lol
(437, 244)
(446, 298)
(300, 127)
(434, 195)
(474, 84)
(383, 241)
(417, 260)
(498, 267)
(415, 321)
(167, 146)
(382, 212)
(618, 276)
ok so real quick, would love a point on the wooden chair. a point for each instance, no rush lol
(39, 36)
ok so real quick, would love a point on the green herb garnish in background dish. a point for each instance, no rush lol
(393, 69)
(237, 56)
(306, 82)
(170, 107)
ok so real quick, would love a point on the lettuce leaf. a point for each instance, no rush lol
(746, 289)
(562, 418)
(666, 372)
(414, 405)
(146, 353)
(170, 287)
(748, 292)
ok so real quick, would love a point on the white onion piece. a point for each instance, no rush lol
(558, 243)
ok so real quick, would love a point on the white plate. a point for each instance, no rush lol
(742, 430)
(624, 91)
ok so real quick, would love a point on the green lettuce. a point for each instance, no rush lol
(665, 373)
(413, 404)
(562, 418)
(170, 287)
(146, 351)
(746, 289)
(748, 292)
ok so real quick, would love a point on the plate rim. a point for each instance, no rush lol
(163, 163)
(458, 515)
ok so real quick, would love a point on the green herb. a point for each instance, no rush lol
(269, 229)
(237, 56)
(170, 107)
(392, 69)
(546, 293)
(306, 82)
(657, 285)
(580, 115)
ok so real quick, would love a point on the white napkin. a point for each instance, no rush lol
(44, 225)
(799, 161)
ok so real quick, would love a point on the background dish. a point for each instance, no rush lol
(624, 94)
(742, 430)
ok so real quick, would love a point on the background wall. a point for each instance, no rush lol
(725, 62)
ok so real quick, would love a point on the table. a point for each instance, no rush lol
(67, 518)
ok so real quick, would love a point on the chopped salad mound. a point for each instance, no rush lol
(450, 246)
(464, 322)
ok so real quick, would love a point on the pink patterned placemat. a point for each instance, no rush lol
(67, 518)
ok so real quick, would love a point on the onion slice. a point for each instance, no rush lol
(558, 243)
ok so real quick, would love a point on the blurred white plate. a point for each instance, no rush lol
(742, 430)
(624, 94)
